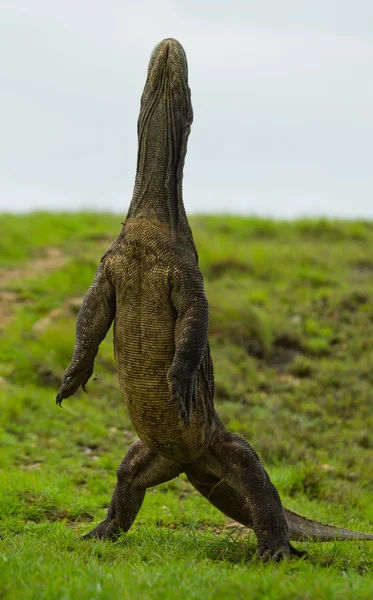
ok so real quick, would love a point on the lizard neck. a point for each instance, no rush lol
(161, 155)
(163, 128)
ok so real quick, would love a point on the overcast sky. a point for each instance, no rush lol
(282, 93)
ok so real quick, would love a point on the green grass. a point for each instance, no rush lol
(291, 337)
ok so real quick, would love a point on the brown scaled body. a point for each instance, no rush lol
(150, 285)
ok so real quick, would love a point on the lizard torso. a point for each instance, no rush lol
(145, 265)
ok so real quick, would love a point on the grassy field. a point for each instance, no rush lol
(291, 337)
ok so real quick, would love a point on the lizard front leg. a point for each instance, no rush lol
(94, 320)
(191, 331)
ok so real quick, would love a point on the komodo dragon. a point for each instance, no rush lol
(149, 283)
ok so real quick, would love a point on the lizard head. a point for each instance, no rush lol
(163, 128)
(167, 83)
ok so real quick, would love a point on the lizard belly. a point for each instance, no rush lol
(157, 421)
(143, 363)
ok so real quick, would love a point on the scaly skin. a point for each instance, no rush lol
(150, 284)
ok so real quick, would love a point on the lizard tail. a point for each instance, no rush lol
(302, 529)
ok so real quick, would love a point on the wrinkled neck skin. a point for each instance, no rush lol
(163, 129)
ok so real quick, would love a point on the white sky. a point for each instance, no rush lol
(282, 94)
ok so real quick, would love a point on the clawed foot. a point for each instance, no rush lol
(274, 545)
(106, 530)
(274, 554)
(183, 393)
(277, 553)
(74, 377)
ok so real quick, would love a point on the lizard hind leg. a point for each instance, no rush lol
(226, 499)
(230, 475)
(140, 469)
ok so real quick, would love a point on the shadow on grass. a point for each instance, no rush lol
(234, 548)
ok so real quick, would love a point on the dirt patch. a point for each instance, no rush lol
(7, 301)
(52, 260)
(71, 306)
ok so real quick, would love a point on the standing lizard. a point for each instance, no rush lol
(149, 283)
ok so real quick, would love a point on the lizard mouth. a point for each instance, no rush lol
(168, 56)
(167, 80)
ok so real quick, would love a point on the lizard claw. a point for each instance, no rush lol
(282, 552)
(297, 552)
(274, 554)
(278, 548)
(183, 394)
(72, 379)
